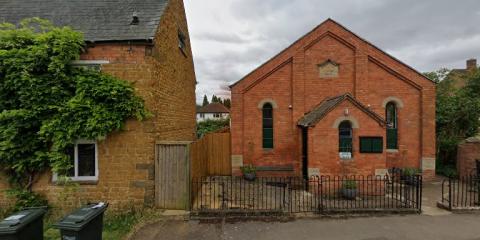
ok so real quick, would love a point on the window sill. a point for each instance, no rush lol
(77, 181)
(392, 150)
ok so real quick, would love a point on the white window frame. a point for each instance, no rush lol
(82, 178)
(95, 64)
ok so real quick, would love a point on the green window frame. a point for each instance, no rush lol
(345, 137)
(392, 125)
(371, 144)
(267, 126)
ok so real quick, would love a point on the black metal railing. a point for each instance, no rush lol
(324, 194)
(461, 193)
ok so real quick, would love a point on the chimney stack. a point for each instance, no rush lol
(471, 64)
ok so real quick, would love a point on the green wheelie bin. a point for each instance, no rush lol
(85, 223)
(23, 225)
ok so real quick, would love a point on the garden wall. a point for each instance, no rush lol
(468, 152)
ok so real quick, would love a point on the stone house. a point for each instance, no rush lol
(333, 104)
(142, 41)
(212, 111)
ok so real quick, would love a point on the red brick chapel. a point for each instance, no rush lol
(333, 104)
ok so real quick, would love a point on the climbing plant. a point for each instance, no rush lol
(46, 103)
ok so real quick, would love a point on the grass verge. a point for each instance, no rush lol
(117, 225)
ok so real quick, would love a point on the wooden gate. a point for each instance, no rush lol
(172, 175)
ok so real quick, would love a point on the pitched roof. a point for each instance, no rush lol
(346, 29)
(213, 108)
(321, 110)
(99, 20)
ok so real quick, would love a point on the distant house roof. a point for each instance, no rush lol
(99, 20)
(321, 110)
(213, 108)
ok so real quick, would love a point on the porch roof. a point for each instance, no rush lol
(327, 105)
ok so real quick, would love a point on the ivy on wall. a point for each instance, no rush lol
(46, 103)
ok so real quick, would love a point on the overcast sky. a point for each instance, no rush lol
(230, 38)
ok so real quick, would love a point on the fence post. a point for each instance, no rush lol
(420, 192)
(320, 192)
(450, 193)
(290, 194)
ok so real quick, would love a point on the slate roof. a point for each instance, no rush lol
(99, 20)
(213, 108)
(321, 110)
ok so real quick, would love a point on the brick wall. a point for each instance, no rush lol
(467, 153)
(291, 79)
(164, 76)
(323, 144)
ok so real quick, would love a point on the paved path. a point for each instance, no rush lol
(431, 194)
(450, 227)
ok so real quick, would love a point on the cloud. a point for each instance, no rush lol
(230, 38)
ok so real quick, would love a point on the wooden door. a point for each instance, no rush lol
(172, 175)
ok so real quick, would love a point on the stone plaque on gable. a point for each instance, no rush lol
(328, 69)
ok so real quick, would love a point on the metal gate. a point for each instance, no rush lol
(172, 175)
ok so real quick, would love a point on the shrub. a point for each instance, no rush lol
(410, 171)
(26, 199)
(349, 184)
(247, 169)
(209, 126)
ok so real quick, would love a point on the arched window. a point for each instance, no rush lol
(345, 138)
(267, 115)
(392, 125)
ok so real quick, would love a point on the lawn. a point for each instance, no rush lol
(117, 226)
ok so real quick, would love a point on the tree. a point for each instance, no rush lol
(205, 100)
(214, 99)
(46, 103)
(457, 114)
(227, 103)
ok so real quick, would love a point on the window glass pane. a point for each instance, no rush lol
(345, 132)
(377, 145)
(267, 113)
(392, 138)
(86, 160)
(345, 145)
(267, 143)
(267, 133)
(268, 123)
(365, 145)
(345, 125)
(391, 115)
(70, 151)
(371, 144)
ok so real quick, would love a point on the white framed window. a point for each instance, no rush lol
(84, 157)
(89, 64)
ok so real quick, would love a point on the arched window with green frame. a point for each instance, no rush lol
(267, 125)
(345, 137)
(392, 125)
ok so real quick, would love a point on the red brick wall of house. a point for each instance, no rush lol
(164, 77)
(292, 79)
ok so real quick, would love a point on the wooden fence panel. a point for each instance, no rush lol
(211, 155)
